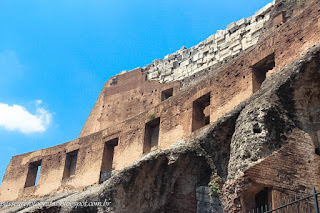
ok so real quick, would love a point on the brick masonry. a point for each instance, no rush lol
(128, 100)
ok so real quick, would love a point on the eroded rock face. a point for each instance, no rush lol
(307, 98)
(164, 183)
(261, 128)
(282, 117)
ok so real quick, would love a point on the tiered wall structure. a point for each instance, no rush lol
(150, 109)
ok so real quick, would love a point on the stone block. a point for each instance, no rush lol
(250, 20)
(220, 35)
(168, 78)
(204, 60)
(235, 43)
(152, 75)
(195, 57)
(255, 35)
(206, 48)
(215, 48)
(175, 64)
(232, 27)
(177, 73)
(237, 47)
(267, 16)
(194, 66)
(223, 46)
(214, 62)
(179, 57)
(235, 52)
(256, 27)
(171, 57)
(170, 65)
(246, 43)
(185, 63)
(224, 54)
(168, 71)
(234, 36)
(241, 22)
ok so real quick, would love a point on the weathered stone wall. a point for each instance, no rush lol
(127, 100)
(176, 180)
(131, 95)
(52, 167)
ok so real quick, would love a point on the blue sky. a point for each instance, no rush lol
(56, 55)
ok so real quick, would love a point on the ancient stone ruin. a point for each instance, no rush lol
(228, 125)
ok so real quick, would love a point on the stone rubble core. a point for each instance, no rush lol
(230, 138)
(230, 42)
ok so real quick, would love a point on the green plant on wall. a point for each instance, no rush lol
(151, 116)
(214, 189)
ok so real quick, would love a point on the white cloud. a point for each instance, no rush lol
(38, 102)
(18, 118)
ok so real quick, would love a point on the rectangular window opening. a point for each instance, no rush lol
(38, 175)
(262, 198)
(201, 112)
(71, 164)
(166, 94)
(107, 159)
(33, 174)
(316, 141)
(108, 153)
(151, 136)
(207, 120)
(114, 81)
(259, 71)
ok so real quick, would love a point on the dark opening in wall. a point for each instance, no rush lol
(107, 159)
(259, 71)
(151, 136)
(33, 174)
(114, 81)
(166, 94)
(201, 112)
(71, 164)
(262, 198)
(256, 128)
(316, 140)
(108, 154)
(317, 151)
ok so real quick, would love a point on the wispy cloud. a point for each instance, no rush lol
(18, 118)
(38, 102)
